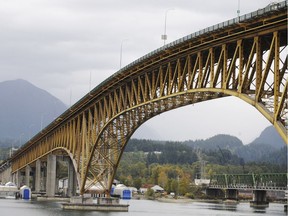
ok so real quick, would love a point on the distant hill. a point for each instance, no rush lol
(24, 110)
(268, 147)
(271, 137)
(264, 148)
(221, 141)
(219, 149)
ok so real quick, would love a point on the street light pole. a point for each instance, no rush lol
(30, 131)
(238, 11)
(20, 139)
(164, 36)
(42, 120)
(121, 48)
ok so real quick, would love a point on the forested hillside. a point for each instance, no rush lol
(166, 163)
(220, 149)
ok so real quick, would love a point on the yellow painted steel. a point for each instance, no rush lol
(246, 60)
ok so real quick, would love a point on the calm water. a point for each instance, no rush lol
(137, 208)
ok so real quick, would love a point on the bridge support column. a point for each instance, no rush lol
(259, 199)
(18, 179)
(214, 193)
(72, 182)
(14, 178)
(232, 194)
(38, 176)
(27, 176)
(51, 175)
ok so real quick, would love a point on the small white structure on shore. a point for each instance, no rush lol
(25, 192)
(121, 191)
(202, 182)
(8, 190)
(157, 189)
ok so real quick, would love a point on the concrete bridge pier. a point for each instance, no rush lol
(19, 178)
(231, 194)
(51, 175)
(214, 193)
(39, 176)
(16, 178)
(72, 180)
(27, 175)
(259, 199)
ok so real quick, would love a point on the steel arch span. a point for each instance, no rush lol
(244, 57)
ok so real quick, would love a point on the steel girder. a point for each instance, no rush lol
(247, 60)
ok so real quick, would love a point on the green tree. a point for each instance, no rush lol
(162, 179)
(137, 183)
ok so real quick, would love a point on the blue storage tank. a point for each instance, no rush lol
(25, 192)
(126, 194)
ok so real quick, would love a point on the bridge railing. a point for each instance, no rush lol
(267, 181)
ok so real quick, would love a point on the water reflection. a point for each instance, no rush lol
(140, 208)
(224, 207)
(259, 210)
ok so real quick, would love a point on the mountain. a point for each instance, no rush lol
(221, 141)
(271, 137)
(268, 147)
(24, 110)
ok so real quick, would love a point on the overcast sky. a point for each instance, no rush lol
(68, 47)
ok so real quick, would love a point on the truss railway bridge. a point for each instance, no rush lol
(245, 57)
(259, 184)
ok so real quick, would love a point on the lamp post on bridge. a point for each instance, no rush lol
(42, 121)
(121, 49)
(164, 36)
(30, 131)
(238, 11)
(20, 138)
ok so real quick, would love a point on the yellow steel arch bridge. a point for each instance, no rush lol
(245, 57)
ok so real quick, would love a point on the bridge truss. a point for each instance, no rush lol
(245, 57)
(268, 181)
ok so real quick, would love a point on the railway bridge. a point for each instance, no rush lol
(264, 181)
(259, 184)
(245, 57)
